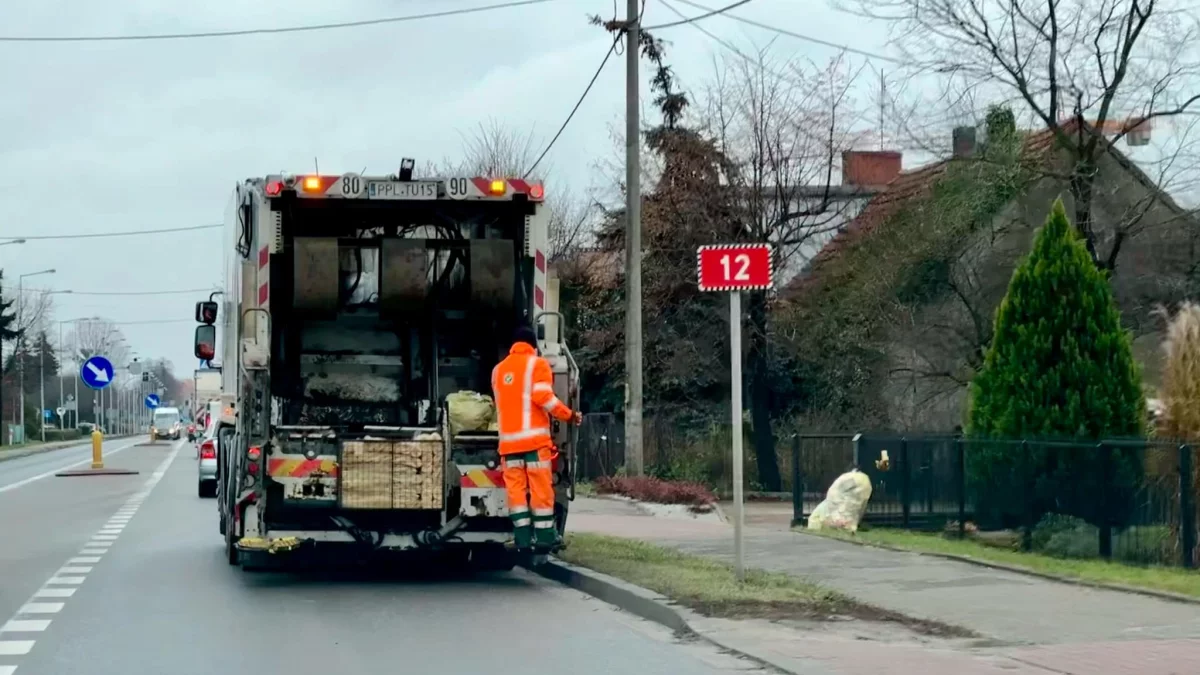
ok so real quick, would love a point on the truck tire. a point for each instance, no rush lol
(228, 525)
(231, 552)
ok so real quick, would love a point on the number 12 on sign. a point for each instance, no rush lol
(735, 268)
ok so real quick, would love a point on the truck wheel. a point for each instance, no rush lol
(229, 525)
(231, 552)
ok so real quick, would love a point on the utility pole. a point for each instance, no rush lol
(42, 383)
(633, 248)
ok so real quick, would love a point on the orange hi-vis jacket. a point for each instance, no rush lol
(523, 388)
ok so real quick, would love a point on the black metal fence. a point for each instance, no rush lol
(1129, 500)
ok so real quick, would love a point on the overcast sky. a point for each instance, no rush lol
(139, 135)
(102, 137)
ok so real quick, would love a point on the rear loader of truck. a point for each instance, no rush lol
(353, 306)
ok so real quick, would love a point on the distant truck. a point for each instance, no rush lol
(353, 306)
(207, 388)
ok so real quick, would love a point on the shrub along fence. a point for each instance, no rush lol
(1128, 500)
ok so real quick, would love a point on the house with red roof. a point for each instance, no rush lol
(900, 301)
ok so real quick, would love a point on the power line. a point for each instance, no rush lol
(266, 31)
(693, 19)
(99, 235)
(612, 48)
(150, 321)
(798, 36)
(726, 44)
(181, 291)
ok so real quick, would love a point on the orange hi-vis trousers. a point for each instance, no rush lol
(532, 516)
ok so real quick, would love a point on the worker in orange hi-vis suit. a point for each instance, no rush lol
(523, 388)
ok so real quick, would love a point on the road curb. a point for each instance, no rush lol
(6, 455)
(644, 603)
(1017, 569)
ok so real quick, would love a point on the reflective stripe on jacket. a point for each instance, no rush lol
(523, 388)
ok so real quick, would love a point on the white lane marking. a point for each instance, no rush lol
(40, 476)
(69, 576)
(15, 647)
(66, 581)
(25, 626)
(41, 608)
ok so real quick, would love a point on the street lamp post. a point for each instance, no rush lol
(20, 342)
(74, 359)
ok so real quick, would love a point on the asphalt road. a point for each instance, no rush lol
(125, 574)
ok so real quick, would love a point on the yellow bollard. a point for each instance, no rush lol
(97, 442)
(154, 435)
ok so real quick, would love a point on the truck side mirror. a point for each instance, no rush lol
(206, 342)
(206, 312)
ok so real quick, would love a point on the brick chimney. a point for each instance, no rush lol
(870, 168)
(963, 142)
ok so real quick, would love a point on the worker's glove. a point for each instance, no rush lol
(577, 419)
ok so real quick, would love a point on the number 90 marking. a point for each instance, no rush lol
(458, 188)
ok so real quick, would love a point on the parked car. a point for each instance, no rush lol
(206, 471)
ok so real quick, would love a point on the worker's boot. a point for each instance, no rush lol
(546, 539)
(522, 539)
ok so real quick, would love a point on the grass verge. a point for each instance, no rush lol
(712, 589)
(1170, 579)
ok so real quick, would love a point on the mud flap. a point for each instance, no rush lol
(403, 276)
(315, 275)
(493, 274)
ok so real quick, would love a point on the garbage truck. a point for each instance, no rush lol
(357, 311)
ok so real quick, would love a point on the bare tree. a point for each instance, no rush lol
(98, 337)
(32, 310)
(782, 128)
(495, 149)
(1090, 71)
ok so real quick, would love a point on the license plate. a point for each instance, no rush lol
(395, 189)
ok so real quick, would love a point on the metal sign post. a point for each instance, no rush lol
(735, 268)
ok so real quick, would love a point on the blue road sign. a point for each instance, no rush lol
(48, 414)
(97, 372)
(151, 401)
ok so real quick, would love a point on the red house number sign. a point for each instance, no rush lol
(735, 267)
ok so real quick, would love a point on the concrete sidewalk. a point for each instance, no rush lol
(1030, 624)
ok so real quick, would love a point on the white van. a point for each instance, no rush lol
(166, 423)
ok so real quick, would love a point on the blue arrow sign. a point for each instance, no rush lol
(151, 401)
(97, 372)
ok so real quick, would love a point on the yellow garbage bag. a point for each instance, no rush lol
(844, 503)
(470, 411)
